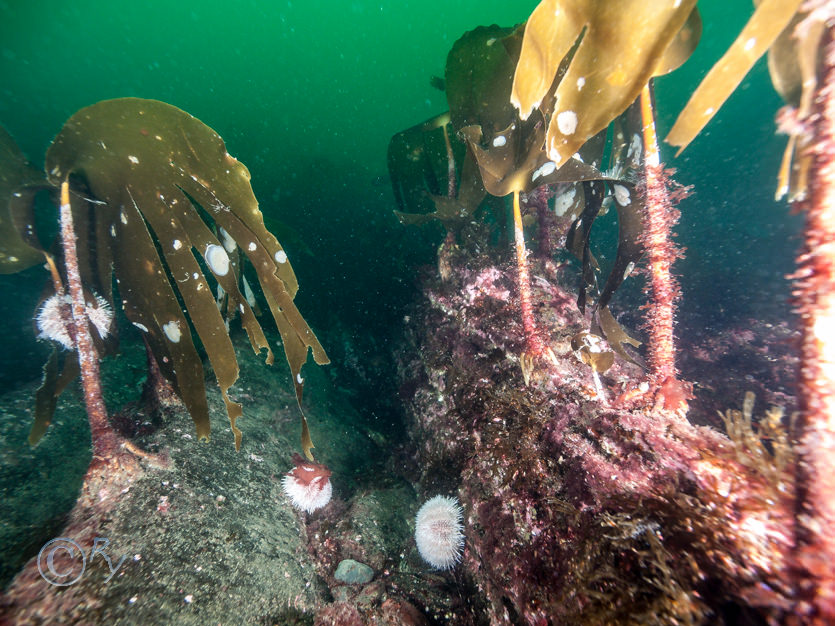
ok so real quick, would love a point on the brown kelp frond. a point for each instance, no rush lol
(615, 335)
(415, 159)
(152, 165)
(478, 72)
(511, 157)
(794, 62)
(767, 22)
(426, 182)
(607, 66)
(15, 173)
(509, 151)
(506, 155)
(55, 379)
(625, 163)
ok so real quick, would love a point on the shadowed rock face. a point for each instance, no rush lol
(214, 525)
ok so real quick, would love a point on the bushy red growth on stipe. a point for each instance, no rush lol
(814, 294)
(661, 194)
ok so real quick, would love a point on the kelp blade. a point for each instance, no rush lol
(152, 165)
(15, 174)
(767, 22)
(621, 46)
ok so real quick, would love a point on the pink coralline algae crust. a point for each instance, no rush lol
(576, 511)
(390, 613)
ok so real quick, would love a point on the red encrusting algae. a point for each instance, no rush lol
(660, 216)
(815, 301)
(536, 352)
(578, 513)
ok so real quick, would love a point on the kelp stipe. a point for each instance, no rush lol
(581, 66)
(799, 39)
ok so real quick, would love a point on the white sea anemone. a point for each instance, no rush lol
(438, 532)
(55, 313)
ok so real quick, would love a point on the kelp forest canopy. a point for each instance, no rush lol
(550, 109)
(160, 206)
(548, 113)
(545, 110)
(518, 315)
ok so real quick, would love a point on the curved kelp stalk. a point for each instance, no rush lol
(158, 201)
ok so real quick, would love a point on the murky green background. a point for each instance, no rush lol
(307, 95)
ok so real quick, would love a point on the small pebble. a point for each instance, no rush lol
(353, 572)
